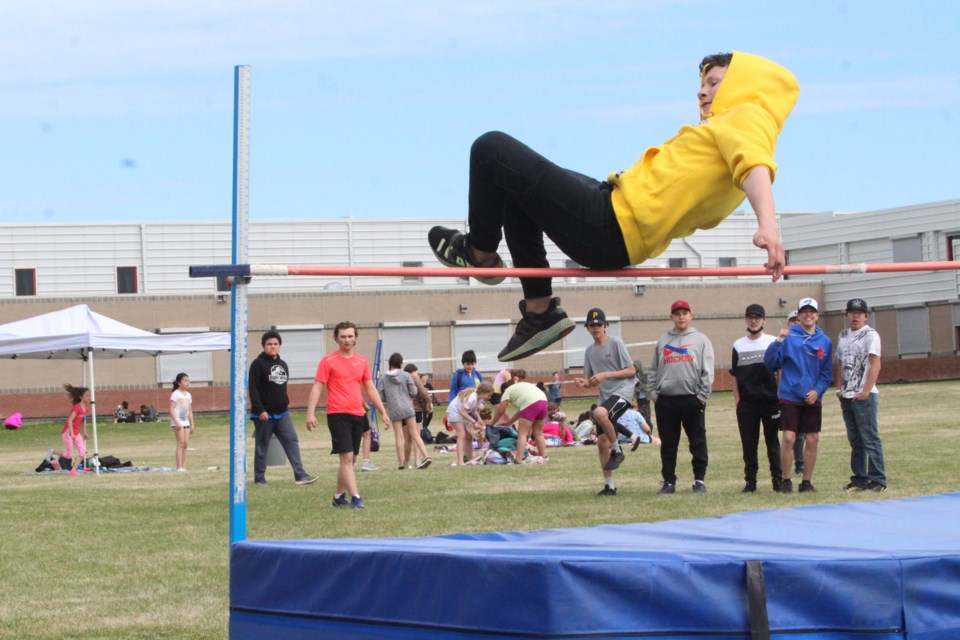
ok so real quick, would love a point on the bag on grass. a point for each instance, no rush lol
(426, 436)
(14, 421)
(374, 440)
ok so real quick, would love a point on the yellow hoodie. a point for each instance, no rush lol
(694, 180)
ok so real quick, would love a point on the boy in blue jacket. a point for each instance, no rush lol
(802, 352)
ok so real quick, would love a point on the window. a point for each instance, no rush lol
(126, 280)
(26, 282)
(409, 279)
(907, 249)
(953, 247)
(913, 328)
(301, 348)
(412, 341)
(486, 340)
(726, 262)
(579, 340)
(677, 263)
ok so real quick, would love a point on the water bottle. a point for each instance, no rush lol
(213, 468)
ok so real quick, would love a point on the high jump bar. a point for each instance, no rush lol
(250, 270)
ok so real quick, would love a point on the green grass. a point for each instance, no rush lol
(145, 555)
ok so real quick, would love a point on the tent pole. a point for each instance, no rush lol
(93, 412)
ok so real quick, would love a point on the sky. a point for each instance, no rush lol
(113, 110)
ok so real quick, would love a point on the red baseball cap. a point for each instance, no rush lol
(679, 304)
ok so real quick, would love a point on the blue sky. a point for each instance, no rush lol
(117, 110)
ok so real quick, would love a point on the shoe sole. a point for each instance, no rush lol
(310, 480)
(424, 464)
(438, 253)
(614, 463)
(540, 341)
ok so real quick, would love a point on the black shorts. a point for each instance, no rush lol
(801, 418)
(616, 407)
(346, 430)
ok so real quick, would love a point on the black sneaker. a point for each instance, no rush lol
(699, 486)
(450, 247)
(875, 487)
(616, 459)
(607, 491)
(777, 483)
(667, 488)
(537, 331)
(786, 485)
(307, 479)
(806, 487)
(750, 487)
(853, 487)
(340, 501)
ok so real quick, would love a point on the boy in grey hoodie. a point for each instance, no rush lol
(679, 382)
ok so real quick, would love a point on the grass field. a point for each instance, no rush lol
(145, 555)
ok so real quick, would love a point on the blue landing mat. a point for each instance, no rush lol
(879, 570)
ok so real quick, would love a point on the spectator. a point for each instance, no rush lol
(397, 390)
(555, 389)
(122, 413)
(269, 410)
(607, 365)
(345, 375)
(755, 398)
(679, 382)
(466, 377)
(858, 350)
(181, 417)
(802, 353)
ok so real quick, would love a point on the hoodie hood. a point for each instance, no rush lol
(393, 376)
(751, 79)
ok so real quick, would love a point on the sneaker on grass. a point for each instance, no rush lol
(340, 501)
(875, 487)
(853, 487)
(699, 486)
(607, 491)
(786, 485)
(537, 331)
(307, 479)
(356, 502)
(450, 247)
(368, 466)
(667, 488)
(807, 487)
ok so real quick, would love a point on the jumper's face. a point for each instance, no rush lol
(271, 347)
(681, 319)
(709, 85)
(86, 397)
(856, 319)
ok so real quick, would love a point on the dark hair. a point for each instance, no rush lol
(269, 335)
(468, 357)
(410, 368)
(396, 361)
(76, 393)
(125, 405)
(715, 60)
(176, 381)
(506, 385)
(346, 324)
(519, 373)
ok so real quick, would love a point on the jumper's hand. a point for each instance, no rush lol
(774, 248)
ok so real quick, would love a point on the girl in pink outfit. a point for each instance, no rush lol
(181, 417)
(74, 432)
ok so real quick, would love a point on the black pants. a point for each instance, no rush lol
(672, 413)
(749, 418)
(517, 193)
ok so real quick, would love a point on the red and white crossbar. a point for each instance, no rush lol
(249, 270)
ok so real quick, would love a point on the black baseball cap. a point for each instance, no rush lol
(596, 316)
(857, 304)
(755, 310)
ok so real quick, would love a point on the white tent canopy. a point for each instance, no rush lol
(79, 333)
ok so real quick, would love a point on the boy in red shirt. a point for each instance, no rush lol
(344, 374)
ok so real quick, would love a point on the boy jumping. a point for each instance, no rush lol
(692, 181)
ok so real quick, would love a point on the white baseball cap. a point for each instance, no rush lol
(808, 302)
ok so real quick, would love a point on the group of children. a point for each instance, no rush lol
(74, 431)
